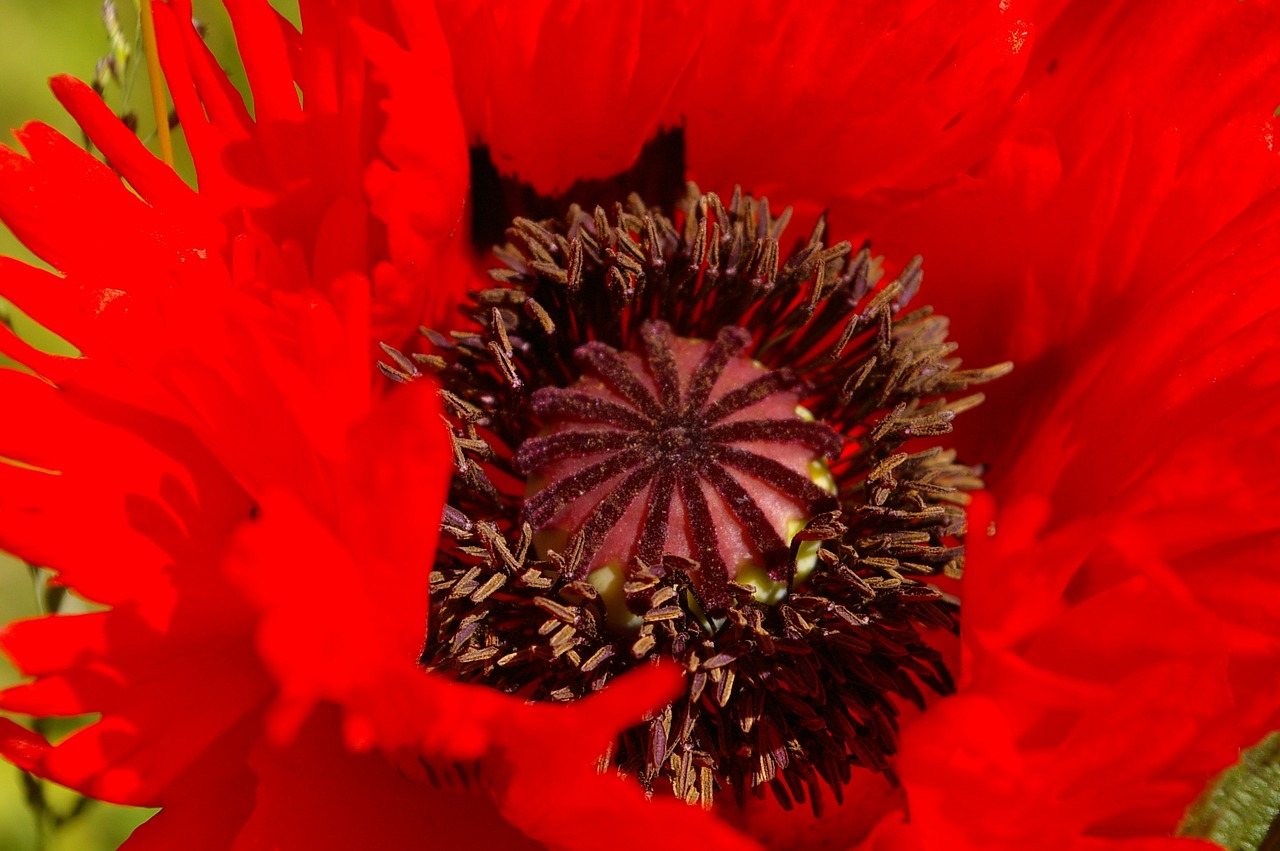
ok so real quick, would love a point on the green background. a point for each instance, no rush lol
(41, 39)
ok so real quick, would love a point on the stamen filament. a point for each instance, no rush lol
(159, 103)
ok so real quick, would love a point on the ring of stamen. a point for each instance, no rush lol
(787, 698)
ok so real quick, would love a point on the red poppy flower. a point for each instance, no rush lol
(1094, 194)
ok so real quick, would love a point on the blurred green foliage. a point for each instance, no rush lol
(42, 39)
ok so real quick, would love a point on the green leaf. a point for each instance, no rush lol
(1240, 810)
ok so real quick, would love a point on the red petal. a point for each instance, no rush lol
(166, 694)
(313, 795)
(22, 747)
(561, 93)
(262, 48)
(149, 177)
(136, 488)
(844, 99)
(545, 747)
(417, 189)
(207, 804)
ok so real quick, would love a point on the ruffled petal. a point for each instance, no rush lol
(329, 628)
(417, 189)
(329, 177)
(140, 678)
